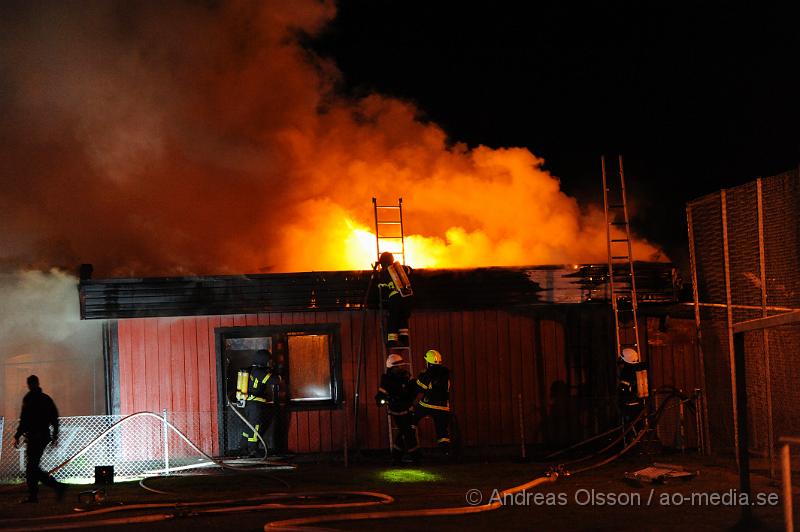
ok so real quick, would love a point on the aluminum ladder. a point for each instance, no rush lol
(389, 230)
(621, 277)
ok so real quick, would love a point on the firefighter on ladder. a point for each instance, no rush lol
(256, 387)
(394, 289)
(397, 392)
(434, 383)
(633, 388)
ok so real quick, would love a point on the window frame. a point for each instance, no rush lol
(333, 330)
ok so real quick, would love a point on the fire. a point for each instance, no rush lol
(466, 209)
(235, 154)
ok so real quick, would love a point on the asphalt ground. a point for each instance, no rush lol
(601, 499)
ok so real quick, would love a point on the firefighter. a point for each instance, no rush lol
(39, 413)
(632, 384)
(397, 392)
(434, 383)
(396, 300)
(260, 404)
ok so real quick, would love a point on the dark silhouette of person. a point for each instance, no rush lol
(39, 413)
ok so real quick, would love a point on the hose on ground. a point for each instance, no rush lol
(301, 523)
(376, 498)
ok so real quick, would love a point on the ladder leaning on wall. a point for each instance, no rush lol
(389, 233)
(388, 230)
(621, 278)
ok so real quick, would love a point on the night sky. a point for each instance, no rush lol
(695, 96)
(199, 137)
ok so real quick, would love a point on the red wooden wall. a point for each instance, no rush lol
(494, 357)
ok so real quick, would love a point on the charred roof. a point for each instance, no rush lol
(435, 289)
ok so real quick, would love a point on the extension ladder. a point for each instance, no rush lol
(389, 227)
(621, 278)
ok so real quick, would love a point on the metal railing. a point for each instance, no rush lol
(139, 445)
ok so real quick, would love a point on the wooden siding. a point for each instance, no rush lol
(556, 359)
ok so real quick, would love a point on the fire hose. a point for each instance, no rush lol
(303, 523)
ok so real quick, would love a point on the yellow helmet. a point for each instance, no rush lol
(433, 357)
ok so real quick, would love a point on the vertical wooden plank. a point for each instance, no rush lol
(508, 404)
(375, 437)
(126, 385)
(204, 372)
(482, 378)
(190, 372)
(514, 370)
(346, 319)
(139, 365)
(452, 322)
(324, 416)
(528, 376)
(177, 371)
(491, 368)
(164, 373)
(251, 320)
(469, 428)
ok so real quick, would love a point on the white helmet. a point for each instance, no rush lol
(395, 360)
(631, 356)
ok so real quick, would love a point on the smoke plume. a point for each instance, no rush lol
(41, 333)
(155, 138)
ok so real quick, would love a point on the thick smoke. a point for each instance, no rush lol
(155, 138)
(41, 333)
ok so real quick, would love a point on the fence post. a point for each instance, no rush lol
(166, 443)
(786, 474)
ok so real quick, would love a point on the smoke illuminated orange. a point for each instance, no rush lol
(197, 147)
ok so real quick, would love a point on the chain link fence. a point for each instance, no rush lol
(745, 246)
(139, 445)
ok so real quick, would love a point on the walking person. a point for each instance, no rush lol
(39, 414)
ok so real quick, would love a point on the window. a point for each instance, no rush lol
(306, 357)
(309, 368)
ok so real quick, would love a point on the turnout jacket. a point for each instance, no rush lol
(434, 383)
(262, 385)
(398, 390)
(38, 414)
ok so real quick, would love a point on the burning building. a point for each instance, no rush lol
(535, 339)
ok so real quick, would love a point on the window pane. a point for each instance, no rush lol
(309, 367)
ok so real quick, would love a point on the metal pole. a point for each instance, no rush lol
(743, 452)
(521, 428)
(706, 436)
(166, 442)
(734, 399)
(786, 474)
(765, 333)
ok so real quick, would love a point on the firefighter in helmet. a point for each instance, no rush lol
(394, 289)
(397, 392)
(259, 401)
(633, 388)
(434, 383)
